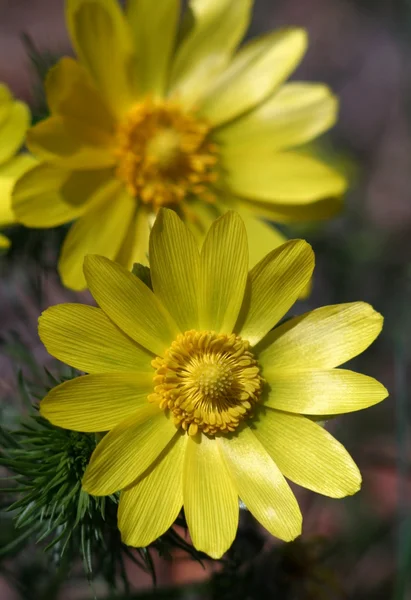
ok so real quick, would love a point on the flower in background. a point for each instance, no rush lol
(14, 123)
(156, 114)
(204, 401)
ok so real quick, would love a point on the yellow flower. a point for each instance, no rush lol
(152, 114)
(14, 122)
(204, 401)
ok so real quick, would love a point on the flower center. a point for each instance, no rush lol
(163, 154)
(209, 381)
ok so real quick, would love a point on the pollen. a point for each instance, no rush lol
(165, 155)
(208, 381)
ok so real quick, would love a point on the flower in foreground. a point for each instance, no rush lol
(14, 122)
(204, 401)
(152, 114)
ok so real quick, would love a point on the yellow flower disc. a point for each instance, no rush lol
(164, 154)
(210, 381)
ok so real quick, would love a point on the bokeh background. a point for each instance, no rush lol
(358, 548)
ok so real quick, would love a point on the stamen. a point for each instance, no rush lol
(164, 154)
(209, 381)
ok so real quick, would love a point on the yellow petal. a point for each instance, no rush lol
(286, 212)
(135, 245)
(154, 33)
(102, 40)
(100, 230)
(85, 338)
(261, 485)
(321, 339)
(321, 392)
(4, 242)
(96, 402)
(223, 274)
(210, 498)
(307, 454)
(284, 178)
(214, 28)
(71, 144)
(40, 196)
(294, 115)
(274, 284)
(258, 68)
(13, 130)
(175, 268)
(9, 174)
(130, 304)
(149, 507)
(71, 93)
(262, 237)
(128, 450)
(6, 102)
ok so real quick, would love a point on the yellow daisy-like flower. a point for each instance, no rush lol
(155, 114)
(204, 401)
(14, 122)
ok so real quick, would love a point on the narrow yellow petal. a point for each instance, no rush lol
(135, 245)
(321, 392)
(258, 68)
(153, 33)
(6, 102)
(128, 450)
(175, 268)
(307, 454)
(13, 130)
(85, 338)
(321, 339)
(41, 196)
(286, 212)
(294, 115)
(149, 507)
(274, 284)
(71, 144)
(71, 93)
(100, 230)
(9, 175)
(262, 237)
(223, 274)
(130, 304)
(4, 242)
(102, 40)
(286, 177)
(260, 484)
(210, 498)
(96, 402)
(211, 32)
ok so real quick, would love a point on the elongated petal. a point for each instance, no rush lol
(321, 339)
(262, 237)
(100, 230)
(130, 304)
(102, 40)
(274, 284)
(210, 498)
(71, 93)
(151, 505)
(175, 268)
(275, 178)
(135, 245)
(9, 174)
(13, 130)
(71, 144)
(85, 338)
(42, 196)
(258, 68)
(128, 450)
(214, 28)
(294, 115)
(286, 212)
(261, 485)
(96, 402)
(153, 33)
(223, 273)
(307, 454)
(6, 102)
(322, 392)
